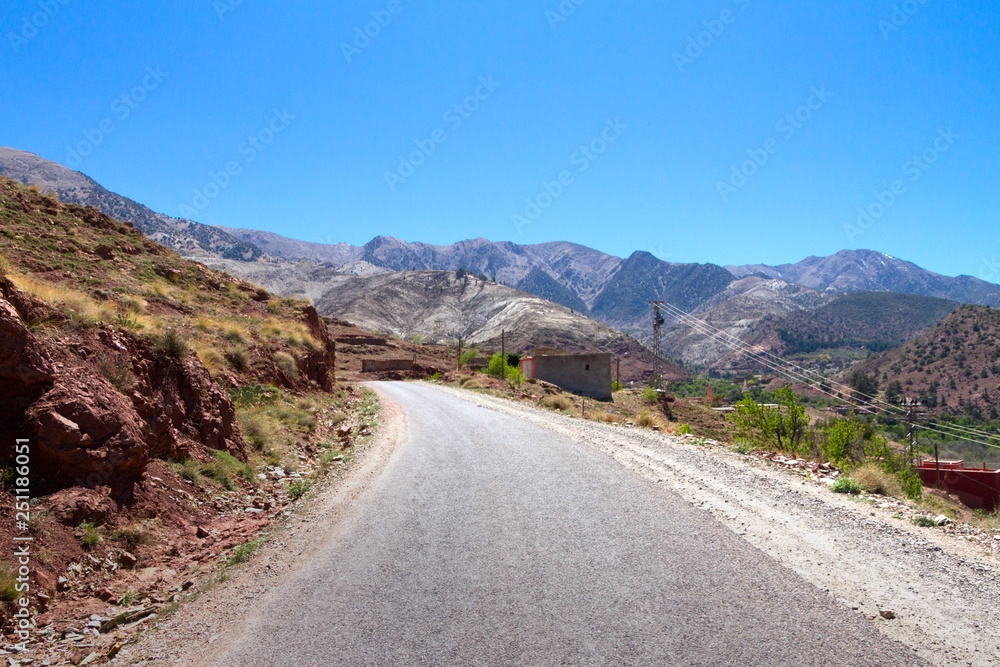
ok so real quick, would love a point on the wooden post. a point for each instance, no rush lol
(503, 347)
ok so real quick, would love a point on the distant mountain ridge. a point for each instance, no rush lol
(871, 271)
(612, 290)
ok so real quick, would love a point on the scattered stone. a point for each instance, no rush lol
(942, 520)
(253, 510)
(127, 560)
(62, 584)
(202, 532)
(887, 613)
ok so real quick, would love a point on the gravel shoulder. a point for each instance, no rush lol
(943, 592)
(206, 627)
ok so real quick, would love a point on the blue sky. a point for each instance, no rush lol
(724, 131)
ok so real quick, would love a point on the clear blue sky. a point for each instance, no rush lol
(682, 116)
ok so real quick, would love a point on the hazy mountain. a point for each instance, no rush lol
(440, 307)
(867, 270)
(190, 239)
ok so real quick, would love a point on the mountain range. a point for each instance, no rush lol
(612, 290)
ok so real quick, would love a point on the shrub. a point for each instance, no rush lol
(684, 428)
(8, 583)
(133, 535)
(297, 488)
(91, 535)
(467, 356)
(257, 428)
(616, 386)
(213, 360)
(287, 364)
(558, 402)
(923, 520)
(116, 369)
(417, 339)
(650, 395)
(514, 376)
(873, 479)
(779, 428)
(845, 485)
(497, 367)
(172, 344)
(239, 358)
(647, 420)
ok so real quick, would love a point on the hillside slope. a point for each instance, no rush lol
(190, 239)
(952, 367)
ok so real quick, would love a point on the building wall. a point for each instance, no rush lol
(584, 374)
(379, 365)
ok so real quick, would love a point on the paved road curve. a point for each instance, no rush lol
(488, 541)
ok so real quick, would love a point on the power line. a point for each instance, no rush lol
(807, 378)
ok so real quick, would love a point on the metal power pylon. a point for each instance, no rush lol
(658, 322)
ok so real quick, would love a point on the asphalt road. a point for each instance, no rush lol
(489, 541)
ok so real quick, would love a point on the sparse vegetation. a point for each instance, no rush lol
(287, 364)
(298, 488)
(242, 553)
(558, 403)
(923, 521)
(845, 485)
(224, 467)
(90, 536)
(8, 583)
(172, 344)
(116, 369)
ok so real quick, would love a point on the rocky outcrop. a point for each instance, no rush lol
(84, 431)
(319, 366)
(177, 401)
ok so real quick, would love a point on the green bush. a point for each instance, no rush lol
(922, 520)
(91, 535)
(297, 488)
(684, 429)
(650, 395)
(239, 358)
(845, 485)
(616, 386)
(467, 356)
(497, 367)
(780, 428)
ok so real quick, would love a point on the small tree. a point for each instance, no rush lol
(779, 427)
(497, 367)
(863, 384)
(467, 356)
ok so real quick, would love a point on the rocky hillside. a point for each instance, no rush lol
(441, 306)
(150, 389)
(190, 239)
(866, 270)
(954, 366)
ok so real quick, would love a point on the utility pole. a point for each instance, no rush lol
(618, 372)
(503, 347)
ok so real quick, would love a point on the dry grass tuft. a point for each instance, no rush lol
(873, 479)
(558, 402)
